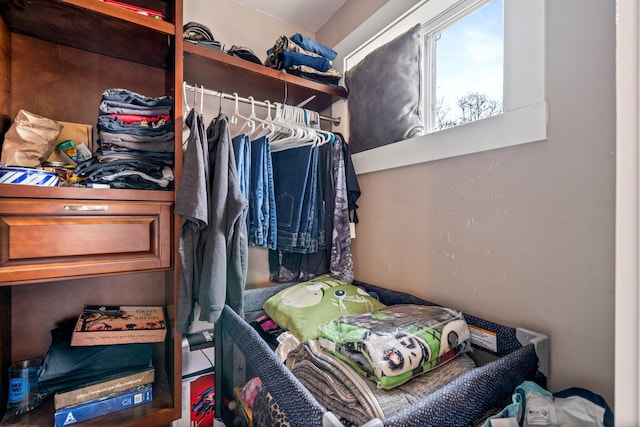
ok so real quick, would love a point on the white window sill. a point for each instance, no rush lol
(515, 127)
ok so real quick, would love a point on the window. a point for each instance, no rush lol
(464, 65)
(520, 113)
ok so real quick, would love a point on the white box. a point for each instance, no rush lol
(198, 389)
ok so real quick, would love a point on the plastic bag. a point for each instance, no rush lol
(534, 406)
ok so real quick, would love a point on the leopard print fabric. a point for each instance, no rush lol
(266, 412)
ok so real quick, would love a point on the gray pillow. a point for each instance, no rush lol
(385, 94)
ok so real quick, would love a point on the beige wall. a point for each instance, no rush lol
(522, 235)
(346, 19)
(234, 24)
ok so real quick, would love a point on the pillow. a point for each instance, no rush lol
(392, 345)
(303, 307)
(385, 94)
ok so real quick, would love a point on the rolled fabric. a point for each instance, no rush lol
(314, 46)
(296, 58)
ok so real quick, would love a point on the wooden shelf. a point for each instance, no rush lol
(84, 24)
(81, 193)
(219, 71)
(155, 413)
(56, 59)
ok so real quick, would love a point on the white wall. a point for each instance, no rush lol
(627, 213)
(521, 235)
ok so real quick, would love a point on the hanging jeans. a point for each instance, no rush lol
(291, 183)
(262, 204)
(242, 153)
(308, 237)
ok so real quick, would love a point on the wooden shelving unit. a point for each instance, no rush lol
(219, 71)
(56, 59)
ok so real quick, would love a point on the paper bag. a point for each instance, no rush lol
(30, 140)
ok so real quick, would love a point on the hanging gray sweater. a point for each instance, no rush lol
(213, 248)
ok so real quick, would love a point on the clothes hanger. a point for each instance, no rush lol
(195, 97)
(314, 120)
(266, 126)
(283, 130)
(236, 114)
(202, 100)
(184, 97)
(249, 121)
(302, 135)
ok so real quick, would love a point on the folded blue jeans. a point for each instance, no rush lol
(314, 46)
(295, 58)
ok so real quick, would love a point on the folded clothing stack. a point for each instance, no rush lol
(200, 34)
(136, 142)
(304, 57)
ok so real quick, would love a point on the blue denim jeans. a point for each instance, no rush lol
(262, 205)
(308, 238)
(296, 58)
(313, 46)
(291, 181)
(242, 154)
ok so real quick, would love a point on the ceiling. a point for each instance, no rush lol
(308, 15)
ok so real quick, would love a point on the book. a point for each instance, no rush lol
(119, 324)
(102, 388)
(102, 406)
(141, 10)
(198, 400)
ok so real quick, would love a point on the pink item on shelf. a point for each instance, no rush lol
(250, 390)
(137, 9)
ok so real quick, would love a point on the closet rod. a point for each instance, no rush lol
(334, 120)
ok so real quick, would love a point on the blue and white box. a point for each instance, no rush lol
(104, 405)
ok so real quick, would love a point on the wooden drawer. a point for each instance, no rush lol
(51, 239)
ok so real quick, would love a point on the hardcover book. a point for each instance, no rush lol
(108, 386)
(104, 325)
(104, 405)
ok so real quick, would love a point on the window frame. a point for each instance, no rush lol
(430, 30)
(524, 118)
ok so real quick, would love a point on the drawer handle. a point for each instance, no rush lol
(85, 208)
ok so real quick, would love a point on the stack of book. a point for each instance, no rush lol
(99, 327)
(101, 398)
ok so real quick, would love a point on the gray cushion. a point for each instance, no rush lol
(385, 94)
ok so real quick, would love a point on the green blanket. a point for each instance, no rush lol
(394, 344)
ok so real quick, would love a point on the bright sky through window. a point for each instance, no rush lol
(469, 68)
